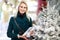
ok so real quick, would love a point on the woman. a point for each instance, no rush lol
(19, 24)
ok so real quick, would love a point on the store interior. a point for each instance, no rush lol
(45, 15)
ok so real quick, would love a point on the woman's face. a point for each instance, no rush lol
(22, 8)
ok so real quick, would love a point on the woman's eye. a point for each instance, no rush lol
(25, 7)
(21, 6)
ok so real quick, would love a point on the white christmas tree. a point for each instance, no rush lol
(47, 27)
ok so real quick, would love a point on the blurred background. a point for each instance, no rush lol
(8, 8)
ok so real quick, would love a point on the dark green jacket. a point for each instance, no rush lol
(23, 23)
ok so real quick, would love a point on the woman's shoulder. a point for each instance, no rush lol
(28, 17)
(12, 18)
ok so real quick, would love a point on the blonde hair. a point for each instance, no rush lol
(19, 6)
(26, 9)
(25, 4)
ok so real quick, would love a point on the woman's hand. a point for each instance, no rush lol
(31, 33)
(24, 37)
